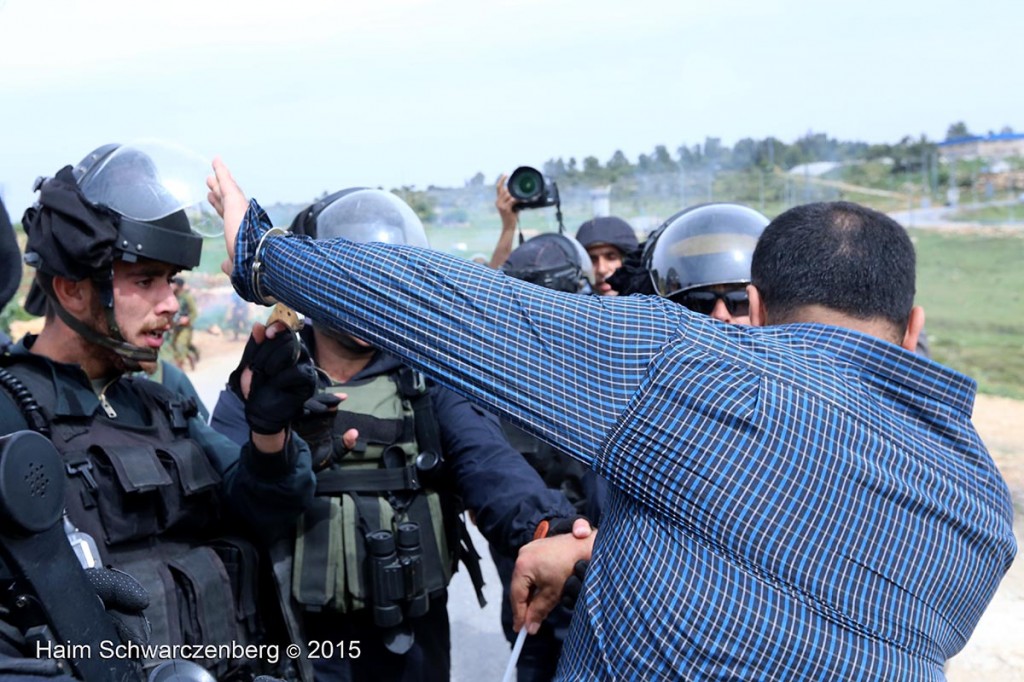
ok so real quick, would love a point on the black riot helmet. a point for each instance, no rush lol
(125, 202)
(702, 246)
(364, 215)
(552, 260)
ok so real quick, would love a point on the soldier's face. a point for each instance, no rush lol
(606, 259)
(144, 301)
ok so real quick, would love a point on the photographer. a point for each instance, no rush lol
(526, 188)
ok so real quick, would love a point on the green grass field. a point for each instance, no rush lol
(972, 289)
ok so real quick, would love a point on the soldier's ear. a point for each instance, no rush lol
(73, 296)
(758, 316)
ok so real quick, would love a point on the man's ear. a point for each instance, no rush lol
(758, 315)
(72, 296)
(915, 323)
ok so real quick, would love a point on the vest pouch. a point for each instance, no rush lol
(163, 610)
(241, 562)
(206, 600)
(129, 479)
(190, 503)
(318, 566)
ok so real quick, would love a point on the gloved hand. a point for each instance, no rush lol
(125, 600)
(574, 583)
(316, 427)
(283, 379)
(558, 526)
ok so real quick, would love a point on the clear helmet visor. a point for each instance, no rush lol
(148, 180)
(371, 215)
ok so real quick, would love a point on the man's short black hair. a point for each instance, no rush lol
(839, 255)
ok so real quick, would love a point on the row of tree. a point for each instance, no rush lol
(909, 155)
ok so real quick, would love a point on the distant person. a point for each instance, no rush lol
(607, 240)
(238, 317)
(774, 507)
(185, 353)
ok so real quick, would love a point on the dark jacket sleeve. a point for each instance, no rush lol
(229, 417)
(507, 497)
(265, 492)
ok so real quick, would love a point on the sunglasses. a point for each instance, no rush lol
(703, 301)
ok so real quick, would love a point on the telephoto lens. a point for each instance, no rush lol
(526, 184)
(388, 579)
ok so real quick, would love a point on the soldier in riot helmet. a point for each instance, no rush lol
(396, 460)
(151, 489)
(700, 258)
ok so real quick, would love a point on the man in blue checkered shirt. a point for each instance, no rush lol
(801, 499)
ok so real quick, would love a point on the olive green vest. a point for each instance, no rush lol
(375, 486)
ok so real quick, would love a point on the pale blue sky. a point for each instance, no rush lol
(301, 97)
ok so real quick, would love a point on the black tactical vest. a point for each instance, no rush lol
(151, 499)
(374, 487)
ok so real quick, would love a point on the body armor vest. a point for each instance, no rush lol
(150, 498)
(374, 487)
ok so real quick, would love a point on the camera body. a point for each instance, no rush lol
(531, 189)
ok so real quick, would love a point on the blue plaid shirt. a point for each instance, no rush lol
(787, 503)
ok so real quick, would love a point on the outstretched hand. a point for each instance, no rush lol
(230, 202)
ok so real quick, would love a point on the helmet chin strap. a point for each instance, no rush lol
(132, 355)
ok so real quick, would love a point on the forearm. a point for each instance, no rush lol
(504, 246)
(502, 343)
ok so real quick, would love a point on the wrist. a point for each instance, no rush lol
(269, 444)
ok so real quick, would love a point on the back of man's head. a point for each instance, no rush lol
(838, 255)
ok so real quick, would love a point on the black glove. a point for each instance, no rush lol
(574, 583)
(559, 525)
(283, 378)
(632, 277)
(125, 600)
(316, 427)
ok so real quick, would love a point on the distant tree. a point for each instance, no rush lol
(715, 155)
(690, 156)
(477, 180)
(744, 154)
(618, 162)
(663, 160)
(591, 167)
(422, 203)
(554, 168)
(958, 129)
(572, 168)
(1006, 130)
(645, 164)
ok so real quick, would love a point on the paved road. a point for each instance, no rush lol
(479, 650)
